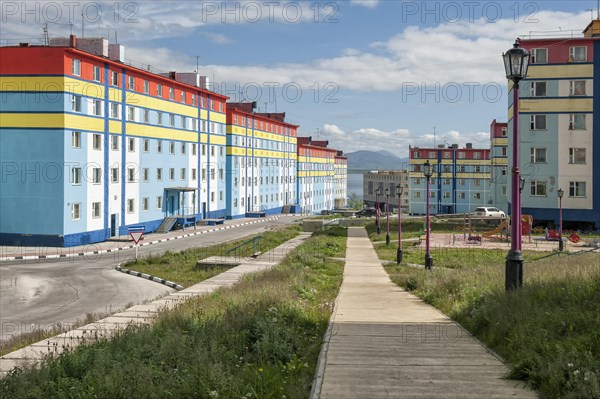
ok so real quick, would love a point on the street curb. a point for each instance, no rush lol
(102, 251)
(150, 277)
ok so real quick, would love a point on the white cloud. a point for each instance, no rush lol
(398, 140)
(365, 3)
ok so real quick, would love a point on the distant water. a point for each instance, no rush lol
(355, 184)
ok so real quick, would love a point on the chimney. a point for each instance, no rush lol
(116, 52)
(455, 146)
(24, 45)
(73, 41)
(469, 146)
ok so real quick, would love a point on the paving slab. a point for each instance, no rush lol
(387, 343)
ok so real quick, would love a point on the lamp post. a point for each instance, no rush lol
(377, 212)
(516, 62)
(560, 194)
(387, 216)
(399, 189)
(428, 171)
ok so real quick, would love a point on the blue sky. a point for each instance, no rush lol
(368, 74)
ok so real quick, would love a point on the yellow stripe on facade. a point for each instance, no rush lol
(500, 161)
(560, 71)
(49, 84)
(566, 105)
(216, 117)
(160, 133)
(500, 142)
(51, 121)
(469, 175)
(139, 100)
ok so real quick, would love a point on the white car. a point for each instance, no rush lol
(489, 212)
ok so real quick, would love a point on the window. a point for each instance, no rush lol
(96, 142)
(504, 150)
(159, 146)
(462, 195)
(131, 83)
(145, 204)
(97, 75)
(539, 56)
(577, 122)
(76, 139)
(476, 196)
(203, 174)
(146, 87)
(183, 173)
(159, 174)
(194, 124)
(203, 150)
(212, 197)
(577, 155)
(130, 175)
(75, 211)
(171, 147)
(183, 148)
(477, 168)
(131, 144)
(538, 122)
(213, 175)
(76, 103)
(503, 132)
(504, 190)
(577, 88)
(114, 110)
(476, 155)
(130, 205)
(538, 89)
(212, 150)
(221, 175)
(417, 194)
(114, 78)
(97, 107)
(221, 196)
(578, 54)
(146, 116)
(96, 210)
(447, 155)
(145, 174)
(159, 90)
(538, 188)
(171, 93)
(76, 69)
(146, 145)
(577, 189)
(538, 155)
(114, 175)
(171, 173)
(114, 143)
(195, 174)
(182, 96)
(160, 118)
(96, 175)
(159, 202)
(194, 149)
(171, 120)
(183, 122)
(461, 155)
(446, 194)
(503, 171)
(130, 113)
(476, 182)
(75, 176)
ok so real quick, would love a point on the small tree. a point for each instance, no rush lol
(355, 202)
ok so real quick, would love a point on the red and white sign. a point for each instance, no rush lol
(136, 235)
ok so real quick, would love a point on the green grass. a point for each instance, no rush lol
(548, 332)
(260, 339)
(180, 267)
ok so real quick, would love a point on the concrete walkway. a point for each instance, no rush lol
(387, 343)
(144, 314)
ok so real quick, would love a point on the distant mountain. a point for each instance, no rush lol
(374, 160)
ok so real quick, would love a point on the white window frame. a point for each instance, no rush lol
(573, 125)
(539, 188)
(573, 85)
(114, 143)
(159, 176)
(97, 107)
(535, 155)
(535, 56)
(114, 175)
(76, 176)
(575, 156)
(115, 109)
(575, 187)
(96, 175)
(573, 53)
(130, 113)
(536, 89)
(76, 211)
(159, 202)
(534, 122)
(145, 204)
(183, 174)
(96, 142)
(159, 90)
(76, 103)
(130, 205)
(146, 174)
(146, 87)
(130, 82)
(76, 67)
(96, 210)
(131, 175)
(146, 145)
(75, 139)
(130, 144)
(114, 78)
(97, 75)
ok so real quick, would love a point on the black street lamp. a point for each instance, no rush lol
(399, 189)
(516, 62)
(428, 171)
(560, 194)
(377, 225)
(387, 215)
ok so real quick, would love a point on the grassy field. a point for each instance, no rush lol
(548, 332)
(180, 267)
(259, 339)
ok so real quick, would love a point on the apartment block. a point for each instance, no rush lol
(382, 180)
(316, 175)
(499, 164)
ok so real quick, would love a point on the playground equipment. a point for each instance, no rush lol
(526, 228)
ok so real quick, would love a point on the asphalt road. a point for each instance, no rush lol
(43, 293)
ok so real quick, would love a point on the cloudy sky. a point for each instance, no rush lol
(364, 74)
